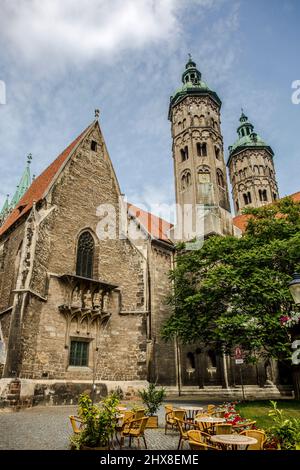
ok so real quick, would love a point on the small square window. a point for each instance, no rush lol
(79, 353)
(94, 146)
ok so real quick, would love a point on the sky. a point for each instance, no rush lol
(61, 59)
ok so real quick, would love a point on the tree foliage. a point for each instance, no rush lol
(234, 290)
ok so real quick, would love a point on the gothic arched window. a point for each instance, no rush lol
(220, 178)
(85, 255)
(201, 149)
(186, 180)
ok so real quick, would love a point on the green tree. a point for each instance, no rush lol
(233, 291)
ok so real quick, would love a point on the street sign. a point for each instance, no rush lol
(239, 361)
(238, 353)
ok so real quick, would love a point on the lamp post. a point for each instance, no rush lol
(294, 287)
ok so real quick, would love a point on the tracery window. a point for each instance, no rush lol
(202, 149)
(85, 255)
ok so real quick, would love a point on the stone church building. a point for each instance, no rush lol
(84, 276)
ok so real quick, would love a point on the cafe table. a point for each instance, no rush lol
(233, 441)
(210, 421)
(191, 411)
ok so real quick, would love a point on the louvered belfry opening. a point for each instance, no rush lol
(85, 255)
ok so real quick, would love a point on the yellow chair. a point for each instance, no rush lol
(201, 446)
(76, 423)
(223, 428)
(241, 427)
(140, 413)
(124, 425)
(183, 429)
(219, 414)
(180, 414)
(136, 430)
(257, 434)
(169, 417)
(202, 426)
(210, 408)
(198, 436)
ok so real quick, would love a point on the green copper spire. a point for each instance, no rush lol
(5, 208)
(192, 84)
(23, 185)
(247, 138)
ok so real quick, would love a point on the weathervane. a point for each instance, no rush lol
(97, 113)
(190, 56)
(29, 158)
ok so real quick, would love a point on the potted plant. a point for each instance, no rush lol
(98, 423)
(285, 431)
(152, 398)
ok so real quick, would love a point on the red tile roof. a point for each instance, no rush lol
(156, 227)
(240, 221)
(39, 186)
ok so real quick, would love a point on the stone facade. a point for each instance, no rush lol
(45, 306)
(251, 169)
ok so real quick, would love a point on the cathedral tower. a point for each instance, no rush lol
(199, 167)
(251, 169)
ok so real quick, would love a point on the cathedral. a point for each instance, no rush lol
(84, 275)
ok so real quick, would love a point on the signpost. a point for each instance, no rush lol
(238, 356)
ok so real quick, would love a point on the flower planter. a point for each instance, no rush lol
(152, 422)
(94, 448)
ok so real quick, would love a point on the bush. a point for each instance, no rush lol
(99, 422)
(285, 431)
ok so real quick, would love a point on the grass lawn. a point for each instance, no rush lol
(258, 411)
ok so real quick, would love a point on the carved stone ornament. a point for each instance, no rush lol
(86, 303)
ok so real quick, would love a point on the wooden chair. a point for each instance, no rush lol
(210, 408)
(205, 427)
(257, 434)
(140, 413)
(219, 414)
(241, 427)
(136, 430)
(198, 436)
(123, 427)
(223, 428)
(201, 446)
(169, 417)
(183, 427)
(76, 423)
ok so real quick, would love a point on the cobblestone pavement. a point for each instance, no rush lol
(48, 428)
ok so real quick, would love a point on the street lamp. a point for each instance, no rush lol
(294, 287)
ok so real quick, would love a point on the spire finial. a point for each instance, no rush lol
(190, 56)
(242, 110)
(29, 158)
(97, 113)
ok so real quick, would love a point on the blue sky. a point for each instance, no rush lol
(61, 59)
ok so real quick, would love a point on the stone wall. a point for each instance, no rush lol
(71, 207)
(8, 275)
(163, 367)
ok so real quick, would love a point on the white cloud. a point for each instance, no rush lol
(86, 28)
